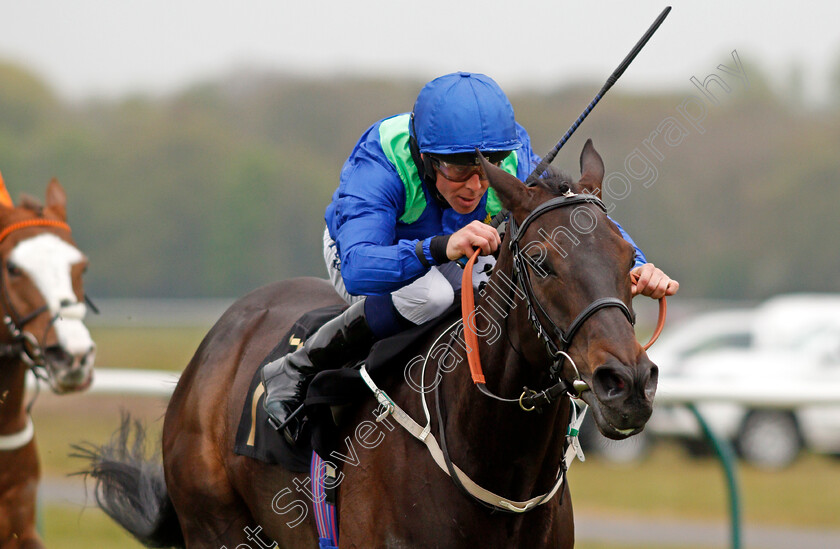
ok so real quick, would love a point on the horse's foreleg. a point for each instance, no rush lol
(32, 542)
(17, 509)
(27, 541)
(26, 538)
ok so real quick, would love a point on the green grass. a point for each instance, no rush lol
(146, 348)
(67, 527)
(668, 484)
(70, 419)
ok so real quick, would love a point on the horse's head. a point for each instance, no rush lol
(572, 266)
(41, 293)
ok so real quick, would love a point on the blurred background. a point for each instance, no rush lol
(199, 143)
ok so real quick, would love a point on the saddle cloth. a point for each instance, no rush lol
(329, 390)
(255, 437)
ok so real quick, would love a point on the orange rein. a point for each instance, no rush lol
(660, 323)
(33, 223)
(468, 312)
(471, 338)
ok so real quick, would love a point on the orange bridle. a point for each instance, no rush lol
(33, 223)
(15, 324)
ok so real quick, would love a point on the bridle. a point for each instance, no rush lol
(558, 354)
(24, 345)
(522, 278)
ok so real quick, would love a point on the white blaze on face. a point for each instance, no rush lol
(47, 261)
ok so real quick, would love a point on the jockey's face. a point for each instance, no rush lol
(463, 196)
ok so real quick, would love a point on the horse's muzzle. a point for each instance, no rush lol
(622, 397)
(69, 372)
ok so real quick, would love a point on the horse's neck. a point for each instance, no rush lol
(12, 394)
(505, 445)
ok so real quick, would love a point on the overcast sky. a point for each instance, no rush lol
(112, 47)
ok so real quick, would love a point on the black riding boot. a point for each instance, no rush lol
(335, 343)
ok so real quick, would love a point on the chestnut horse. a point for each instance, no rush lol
(559, 317)
(43, 304)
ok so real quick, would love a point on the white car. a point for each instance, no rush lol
(708, 332)
(787, 338)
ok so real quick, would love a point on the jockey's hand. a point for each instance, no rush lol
(649, 280)
(474, 235)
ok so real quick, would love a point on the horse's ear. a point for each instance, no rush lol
(510, 190)
(57, 199)
(591, 169)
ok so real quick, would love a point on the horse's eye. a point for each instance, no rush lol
(13, 269)
(546, 266)
(541, 265)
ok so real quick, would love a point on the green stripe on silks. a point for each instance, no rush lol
(393, 135)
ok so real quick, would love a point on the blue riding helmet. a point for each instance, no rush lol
(463, 111)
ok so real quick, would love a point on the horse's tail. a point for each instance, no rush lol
(131, 488)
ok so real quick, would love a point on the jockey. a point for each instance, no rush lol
(411, 200)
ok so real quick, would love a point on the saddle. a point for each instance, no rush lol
(329, 394)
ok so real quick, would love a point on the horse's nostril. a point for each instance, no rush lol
(57, 354)
(88, 358)
(651, 382)
(609, 383)
(619, 384)
(60, 358)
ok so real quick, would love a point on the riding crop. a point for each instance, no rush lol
(548, 158)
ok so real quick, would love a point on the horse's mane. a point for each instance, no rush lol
(555, 181)
(25, 207)
(31, 203)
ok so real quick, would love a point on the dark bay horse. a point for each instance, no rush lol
(561, 284)
(42, 304)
